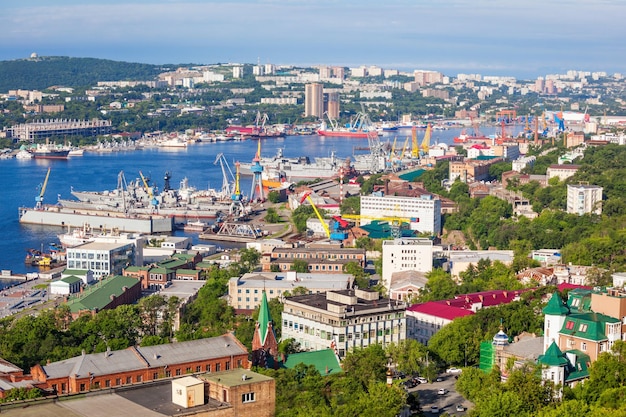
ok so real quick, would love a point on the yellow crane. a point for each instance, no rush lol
(415, 149)
(307, 196)
(153, 201)
(42, 191)
(394, 221)
(425, 146)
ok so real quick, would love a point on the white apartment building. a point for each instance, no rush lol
(343, 320)
(406, 254)
(582, 199)
(423, 213)
(520, 163)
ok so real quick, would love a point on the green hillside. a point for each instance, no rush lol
(42, 72)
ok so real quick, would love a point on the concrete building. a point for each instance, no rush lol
(471, 170)
(459, 261)
(330, 259)
(343, 320)
(562, 172)
(314, 100)
(244, 293)
(584, 199)
(333, 105)
(43, 129)
(423, 213)
(66, 286)
(406, 254)
(520, 163)
(249, 394)
(101, 258)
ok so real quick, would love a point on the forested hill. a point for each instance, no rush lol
(43, 72)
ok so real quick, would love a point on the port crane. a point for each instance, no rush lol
(415, 149)
(153, 201)
(42, 191)
(228, 178)
(425, 145)
(394, 221)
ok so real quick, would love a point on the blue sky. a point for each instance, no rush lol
(523, 38)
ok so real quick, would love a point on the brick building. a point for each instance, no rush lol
(136, 365)
(328, 260)
(109, 293)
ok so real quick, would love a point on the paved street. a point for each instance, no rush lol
(447, 403)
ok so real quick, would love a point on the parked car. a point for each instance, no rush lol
(434, 409)
(460, 407)
(439, 379)
(409, 383)
(442, 391)
(454, 370)
(422, 380)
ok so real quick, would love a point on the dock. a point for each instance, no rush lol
(52, 215)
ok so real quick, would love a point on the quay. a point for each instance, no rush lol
(52, 215)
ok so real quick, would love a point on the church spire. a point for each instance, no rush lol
(264, 318)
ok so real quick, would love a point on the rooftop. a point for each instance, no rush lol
(99, 295)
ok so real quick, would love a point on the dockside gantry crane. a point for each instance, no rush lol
(42, 191)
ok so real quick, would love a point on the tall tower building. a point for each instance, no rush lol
(332, 105)
(314, 100)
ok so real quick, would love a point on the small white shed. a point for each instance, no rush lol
(188, 392)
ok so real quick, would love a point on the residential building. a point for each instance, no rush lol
(314, 100)
(343, 320)
(423, 213)
(424, 320)
(137, 364)
(247, 393)
(407, 285)
(333, 105)
(472, 169)
(329, 259)
(500, 351)
(584, 199)
(520, 163)
(460, 260)
(244, 293)
(152, 277)
(562, 172)
(406, 254)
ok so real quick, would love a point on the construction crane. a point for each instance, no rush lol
(42, 191)
(339, 225)
(237, 204)
(307, 197)
(153, 201)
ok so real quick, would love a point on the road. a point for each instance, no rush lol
(447, 403)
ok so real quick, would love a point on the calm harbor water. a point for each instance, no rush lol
(22, 179)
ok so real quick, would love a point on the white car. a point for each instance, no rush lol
(454, 370)
(442, 391)
(422, 380)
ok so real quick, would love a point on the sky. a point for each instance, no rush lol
(523, 38)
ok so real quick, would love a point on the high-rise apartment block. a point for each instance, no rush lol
(582, 199)
(314, 100)
(332, 105)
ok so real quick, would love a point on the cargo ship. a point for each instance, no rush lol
(49, 152)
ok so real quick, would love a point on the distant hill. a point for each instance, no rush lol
(43, 72)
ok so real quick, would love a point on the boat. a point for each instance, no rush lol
(173, 142)
(24, 154)
(77, 236)
(47, 151)
(195, 226)
(357, 128)
(293, 169)
(76, 152)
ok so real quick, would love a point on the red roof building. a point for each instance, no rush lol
(426, 319)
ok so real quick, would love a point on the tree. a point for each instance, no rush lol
(272, 216)
(273, 196)
(249, 259)
(366, 364)
(300, 266)
(351, 205)
(408, 355)
(361, 278)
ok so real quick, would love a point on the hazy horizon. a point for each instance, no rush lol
(520, 39)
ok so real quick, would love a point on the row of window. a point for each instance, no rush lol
(318, 256)
(155, 375)
(87, 255)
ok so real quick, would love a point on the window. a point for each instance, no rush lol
(168, 373)
(582, 327)
(178, 372)
(129, 379)
(247, 398)
(569, 325)
(227, 365)
(107, 383)
(188, 370)
(139, 378)
(208, 368)
(118, 381)
(218, 367)
(583, 346)
(82, 387)
(198, 368)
